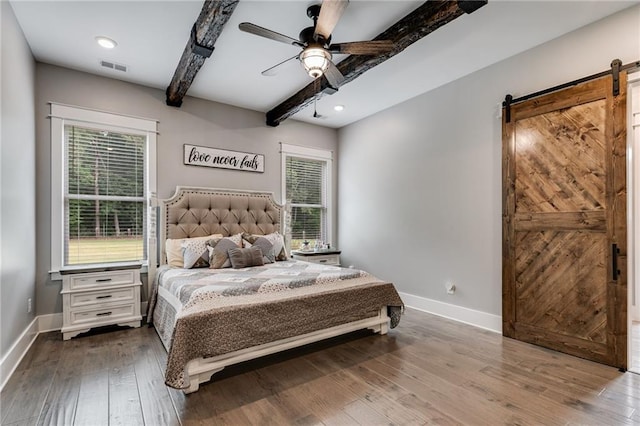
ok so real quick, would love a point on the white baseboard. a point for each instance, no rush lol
(40, 324)
(10, 361)
(472, 317)
(51, 322)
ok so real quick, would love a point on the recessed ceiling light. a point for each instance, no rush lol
(106, 42)
(338, 107)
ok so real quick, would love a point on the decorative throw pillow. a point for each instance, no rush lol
(245, 257)
(218, 248)
(173, 249)
(195, 253)
(264, 245)
(278, 245)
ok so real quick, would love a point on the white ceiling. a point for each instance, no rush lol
(152, 34)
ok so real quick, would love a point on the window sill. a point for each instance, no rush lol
(57, 275)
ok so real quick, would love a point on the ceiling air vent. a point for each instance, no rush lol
(114, 66)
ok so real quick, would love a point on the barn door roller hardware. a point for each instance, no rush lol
(616, 68)
(507, 107)
(615, 71)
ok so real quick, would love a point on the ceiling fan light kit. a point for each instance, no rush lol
(315, 60)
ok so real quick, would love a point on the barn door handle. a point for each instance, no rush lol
(614, 261)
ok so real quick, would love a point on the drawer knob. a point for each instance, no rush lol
(104, 297)
(103, 280)
(323, 260)
(104, 314)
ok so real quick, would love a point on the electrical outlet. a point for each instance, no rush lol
(29, 305)
(451, 287)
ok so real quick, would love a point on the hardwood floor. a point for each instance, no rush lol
(428, 370)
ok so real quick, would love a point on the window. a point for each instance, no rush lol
(102, 180)
(306, 188)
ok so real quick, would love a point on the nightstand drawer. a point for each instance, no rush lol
(326, 260)
(102, 279)
(91, 298)
(106, 314)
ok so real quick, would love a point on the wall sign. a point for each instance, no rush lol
(223, 159)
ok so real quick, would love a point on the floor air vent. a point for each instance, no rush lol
(114, 66)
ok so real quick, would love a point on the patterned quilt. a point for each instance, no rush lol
(192, 285)
(200, 313)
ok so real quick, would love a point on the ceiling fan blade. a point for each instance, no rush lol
(250, 28)
(274, 69)
(374, 47)
(330, 13)
(333, 75)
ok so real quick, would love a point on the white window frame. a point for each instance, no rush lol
(296, 151)
(62, 115)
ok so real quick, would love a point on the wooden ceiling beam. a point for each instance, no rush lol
(204, 34)
(427, 18)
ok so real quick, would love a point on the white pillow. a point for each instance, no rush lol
(195, 253)
(173, 249)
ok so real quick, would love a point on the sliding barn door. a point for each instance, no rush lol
(564, 221)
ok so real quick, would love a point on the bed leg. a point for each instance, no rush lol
(384, 328)
(381, 328)
(197, 378)
(194, 386)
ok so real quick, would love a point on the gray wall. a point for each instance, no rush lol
(18, 187)
(197, 122)
(420, 183)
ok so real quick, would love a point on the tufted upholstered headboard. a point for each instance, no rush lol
(198, 212)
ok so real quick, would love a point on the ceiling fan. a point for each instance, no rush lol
(317, 50)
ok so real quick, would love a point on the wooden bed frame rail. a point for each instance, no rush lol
(202, 369)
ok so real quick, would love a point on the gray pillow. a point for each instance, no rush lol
(243, 258)
(268, 255)
(218, 248)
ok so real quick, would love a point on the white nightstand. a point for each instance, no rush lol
(326, 257)
(100, 296)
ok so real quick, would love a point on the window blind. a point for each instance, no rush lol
(306, 181)
(104, 197)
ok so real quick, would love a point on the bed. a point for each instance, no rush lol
(212, 317)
